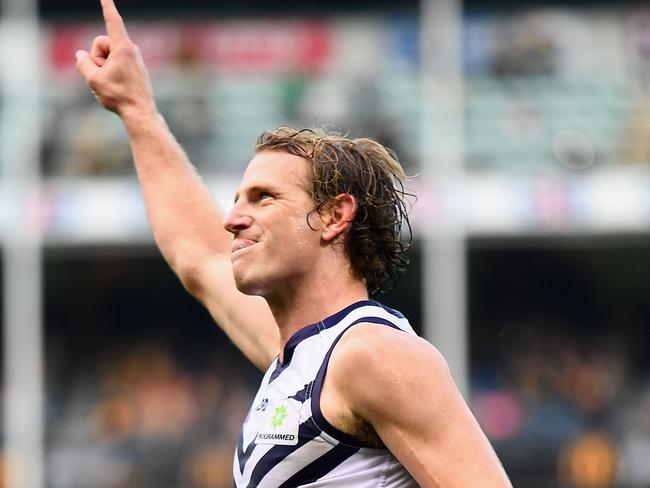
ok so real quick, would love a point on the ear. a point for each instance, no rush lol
(338, 216)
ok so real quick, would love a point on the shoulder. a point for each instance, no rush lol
(384, 348)
(402, 387)
(375, 366)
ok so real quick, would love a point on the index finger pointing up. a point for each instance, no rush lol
(115, 27)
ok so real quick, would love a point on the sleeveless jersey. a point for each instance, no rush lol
(286, 441)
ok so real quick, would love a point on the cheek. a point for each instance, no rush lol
(305, 239)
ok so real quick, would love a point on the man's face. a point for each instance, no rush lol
(273, 245)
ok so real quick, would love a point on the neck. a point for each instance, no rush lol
(297, 308)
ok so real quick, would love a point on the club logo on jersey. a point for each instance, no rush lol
(280, 426)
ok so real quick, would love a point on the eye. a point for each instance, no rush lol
(263, 195)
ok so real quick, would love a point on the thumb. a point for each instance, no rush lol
(86, 66)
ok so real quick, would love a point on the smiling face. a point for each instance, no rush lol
(273, 244)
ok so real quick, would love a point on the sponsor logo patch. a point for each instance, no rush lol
(280, 425)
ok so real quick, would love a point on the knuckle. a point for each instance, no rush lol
(131, 49)
(93, 81)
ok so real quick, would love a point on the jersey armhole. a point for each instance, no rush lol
(317, 415)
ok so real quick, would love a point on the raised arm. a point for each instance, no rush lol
(186, 223)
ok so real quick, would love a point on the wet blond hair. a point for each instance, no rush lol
(370, 173)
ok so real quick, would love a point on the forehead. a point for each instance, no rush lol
(277, 169)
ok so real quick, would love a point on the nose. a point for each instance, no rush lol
(236, 220)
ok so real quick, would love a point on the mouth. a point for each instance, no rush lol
(239, 244)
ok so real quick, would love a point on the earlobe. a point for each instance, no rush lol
(338, 216)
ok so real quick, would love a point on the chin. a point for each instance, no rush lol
(249, 286)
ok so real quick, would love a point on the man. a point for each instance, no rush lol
(351, 396)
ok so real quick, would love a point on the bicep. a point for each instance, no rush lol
(436, 437)
(247, 320)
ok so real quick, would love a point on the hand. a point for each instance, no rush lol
(114, 69)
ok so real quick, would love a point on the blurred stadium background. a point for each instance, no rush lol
(529, 126)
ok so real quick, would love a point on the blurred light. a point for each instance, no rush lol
(573, 149)
(500, 414)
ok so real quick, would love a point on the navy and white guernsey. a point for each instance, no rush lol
(286, 441)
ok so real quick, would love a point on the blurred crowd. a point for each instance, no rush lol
(143, 419)
(530, 76)
(567, 411)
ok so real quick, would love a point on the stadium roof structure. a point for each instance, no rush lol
(191, 8)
